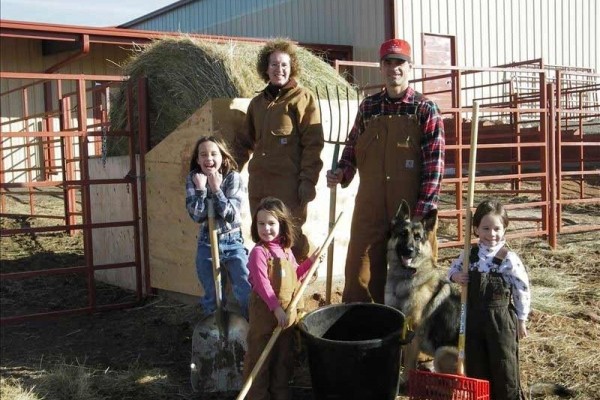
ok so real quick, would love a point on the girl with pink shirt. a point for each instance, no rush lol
(275, 277)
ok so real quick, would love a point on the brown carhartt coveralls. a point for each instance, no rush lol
(388, 160)
(492, 340)
(285, 136)
(272, 382)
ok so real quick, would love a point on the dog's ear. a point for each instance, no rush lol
(403, 212)
(430, 220)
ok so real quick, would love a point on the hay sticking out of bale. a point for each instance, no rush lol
(184, 73)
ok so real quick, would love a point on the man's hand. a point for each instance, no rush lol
(334, 177)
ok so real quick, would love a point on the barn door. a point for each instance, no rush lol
(439, 50)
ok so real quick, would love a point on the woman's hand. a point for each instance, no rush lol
(306, 192)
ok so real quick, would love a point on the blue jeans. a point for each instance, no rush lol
(233, 258)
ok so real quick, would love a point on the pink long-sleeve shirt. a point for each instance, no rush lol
(258, 267)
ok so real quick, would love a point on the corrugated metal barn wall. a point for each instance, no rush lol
(358, 23)
(488, 32)
(496, 32)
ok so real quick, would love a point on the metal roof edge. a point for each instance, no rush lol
(155, 13)
(38, 30)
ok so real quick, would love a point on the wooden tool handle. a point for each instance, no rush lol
(288, 311)
(216, 267)
(467, 246)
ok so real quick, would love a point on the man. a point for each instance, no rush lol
(397, 147)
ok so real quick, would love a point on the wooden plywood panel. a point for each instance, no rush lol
(112, 203)
(172, 234)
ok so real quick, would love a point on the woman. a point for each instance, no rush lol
(283, 131)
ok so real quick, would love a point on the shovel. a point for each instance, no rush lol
(219, 341)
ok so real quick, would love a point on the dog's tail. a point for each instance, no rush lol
(541, 389)
(445, 360)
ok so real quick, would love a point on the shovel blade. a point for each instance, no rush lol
(217, 358)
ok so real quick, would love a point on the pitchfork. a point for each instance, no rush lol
(337, 140)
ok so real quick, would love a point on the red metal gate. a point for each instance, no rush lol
(47, 146)
(540, 133)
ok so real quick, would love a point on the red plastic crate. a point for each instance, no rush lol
(424, 385)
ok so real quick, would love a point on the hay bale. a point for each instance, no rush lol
(184, 73)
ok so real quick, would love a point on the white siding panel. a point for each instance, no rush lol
(545, 29)
(494, 32)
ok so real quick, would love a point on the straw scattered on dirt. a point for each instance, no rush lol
(144, 352)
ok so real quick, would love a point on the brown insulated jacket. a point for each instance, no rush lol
(285, 136)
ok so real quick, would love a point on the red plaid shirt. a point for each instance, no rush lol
(432, 143)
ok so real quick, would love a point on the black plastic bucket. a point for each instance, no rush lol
(354, 350)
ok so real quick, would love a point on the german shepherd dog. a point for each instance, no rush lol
(416, 286)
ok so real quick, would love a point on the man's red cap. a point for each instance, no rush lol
(395, 48)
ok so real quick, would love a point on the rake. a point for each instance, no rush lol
(336, 139)
(433, 386)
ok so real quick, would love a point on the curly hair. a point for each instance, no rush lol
(278, 209)
(228, 164)
(284, 46)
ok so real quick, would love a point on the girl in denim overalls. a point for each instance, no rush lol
(275, 277)
(494, 323)
(213, 176)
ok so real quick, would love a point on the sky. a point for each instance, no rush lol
(79, 12)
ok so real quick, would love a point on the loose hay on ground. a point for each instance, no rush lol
(75, 381)
(562, 350)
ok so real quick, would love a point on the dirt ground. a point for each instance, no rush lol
(150, 345)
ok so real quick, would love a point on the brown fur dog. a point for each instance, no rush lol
(416, 286)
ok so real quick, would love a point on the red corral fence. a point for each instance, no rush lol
(539, 149)
(54, 127)
(538, 144)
